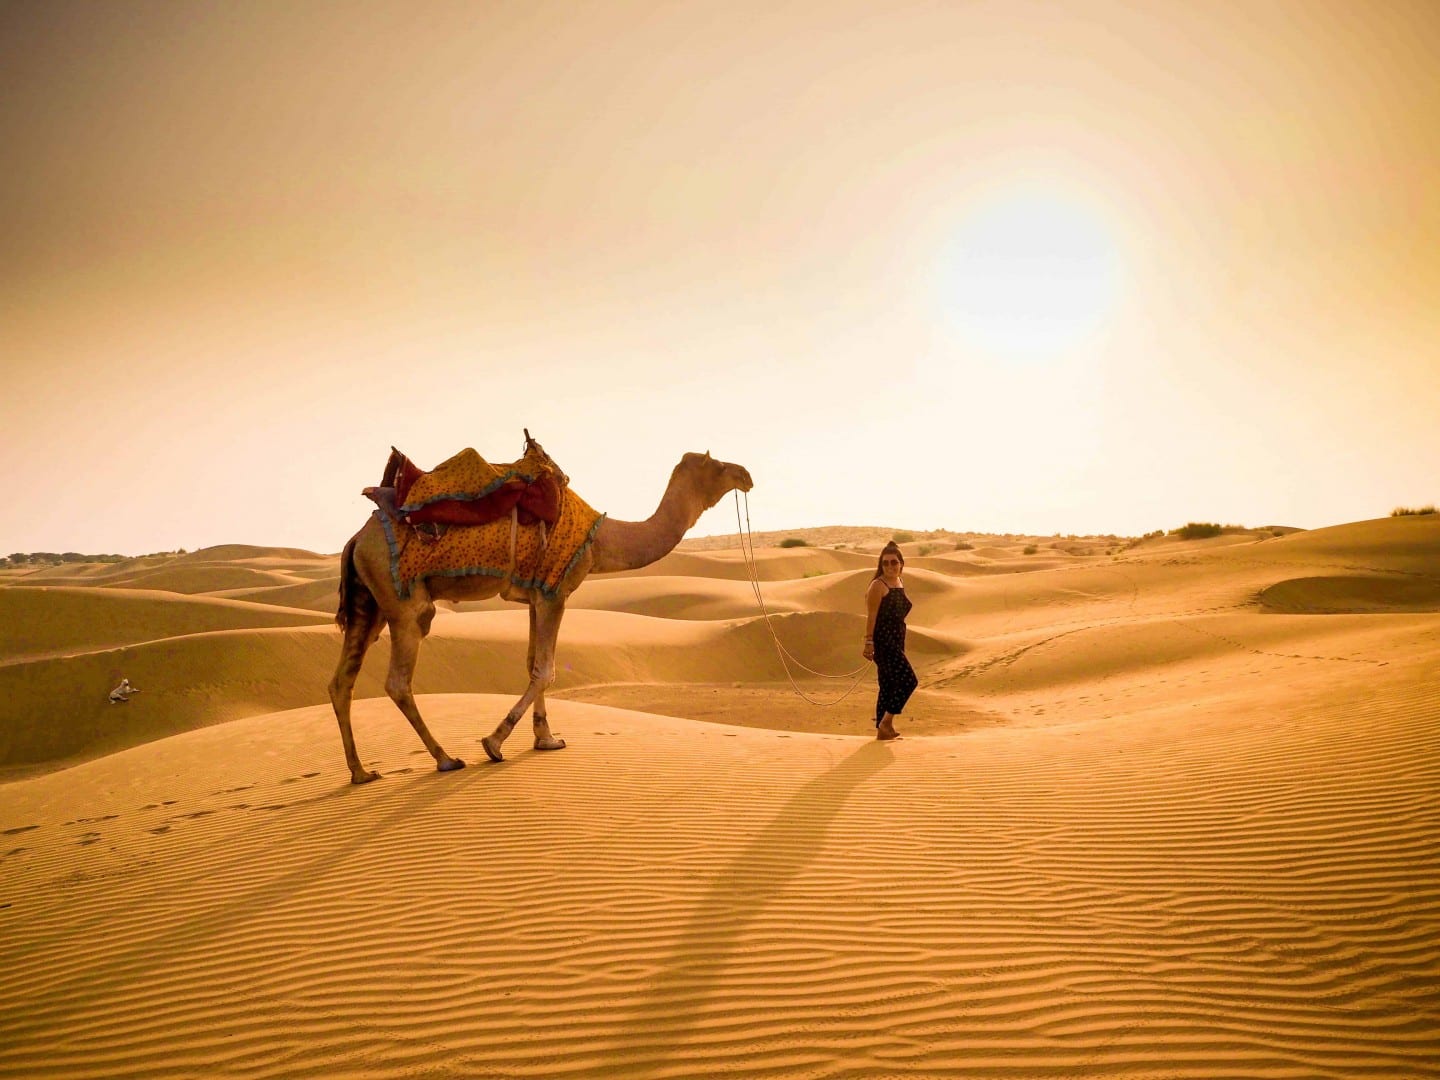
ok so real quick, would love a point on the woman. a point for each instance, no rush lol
(888, 605)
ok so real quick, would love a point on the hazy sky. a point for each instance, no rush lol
(1007, 266)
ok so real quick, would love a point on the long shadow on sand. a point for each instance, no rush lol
(156, 949)
(695, 966)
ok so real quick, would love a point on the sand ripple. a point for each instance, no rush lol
(1246, 896)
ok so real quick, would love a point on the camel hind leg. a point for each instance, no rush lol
(405, 638)
(361, 631)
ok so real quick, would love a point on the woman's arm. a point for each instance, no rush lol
(873, 596)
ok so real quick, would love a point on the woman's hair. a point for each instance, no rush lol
(891, 548)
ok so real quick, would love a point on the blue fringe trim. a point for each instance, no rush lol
(402, 589)
(465, 571)
(549, 594)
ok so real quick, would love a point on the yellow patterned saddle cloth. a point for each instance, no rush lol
(529, 556)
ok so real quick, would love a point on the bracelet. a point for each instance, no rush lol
(869, 641)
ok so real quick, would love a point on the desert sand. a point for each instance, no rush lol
(1170, 810)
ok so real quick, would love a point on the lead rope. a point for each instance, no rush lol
(786, 659)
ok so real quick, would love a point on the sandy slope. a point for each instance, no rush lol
(1171, 814)
(1218, 894)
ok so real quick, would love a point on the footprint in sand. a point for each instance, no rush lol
(88, 838)
(19, 830)
(161, 830)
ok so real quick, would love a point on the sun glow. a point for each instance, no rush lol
(1028, 277)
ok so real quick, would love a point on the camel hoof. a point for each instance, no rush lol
(363, 777)
(550, 744)
(449, 765)
(492, 748)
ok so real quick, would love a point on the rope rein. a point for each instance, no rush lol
(786, 657)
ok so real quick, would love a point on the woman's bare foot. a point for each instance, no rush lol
(886, 730)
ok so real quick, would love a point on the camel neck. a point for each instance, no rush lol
(629, 545)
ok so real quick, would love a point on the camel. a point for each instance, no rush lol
(369, 601)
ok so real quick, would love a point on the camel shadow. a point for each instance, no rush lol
(694, 968)
(190, 932)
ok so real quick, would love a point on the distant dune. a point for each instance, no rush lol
(1162, 809)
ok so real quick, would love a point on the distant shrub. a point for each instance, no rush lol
(1197, 530)
(1412, 511)
(53, 558)
(903, 537)
(1031, 549)
(961, 545)
(926, 549)
(794, 541)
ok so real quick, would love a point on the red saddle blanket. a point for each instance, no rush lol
(468, 490)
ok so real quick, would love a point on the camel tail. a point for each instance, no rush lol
(356, 601)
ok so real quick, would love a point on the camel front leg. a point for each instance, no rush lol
(543, 739)
(545, 616)
(405, 637)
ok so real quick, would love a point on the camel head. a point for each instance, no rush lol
(712, 480)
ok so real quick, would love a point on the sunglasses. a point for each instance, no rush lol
(889, 562)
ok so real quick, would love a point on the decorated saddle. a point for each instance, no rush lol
(466, 516)
(468, 490)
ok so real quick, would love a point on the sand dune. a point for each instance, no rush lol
(41, 622)
(771, 564)
(1352, 594)
(1169, 812)
(206, 579)
(312, 595)
(198, 572)
(253, 554)
(1229, 897)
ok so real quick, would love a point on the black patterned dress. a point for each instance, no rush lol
(897, 677)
